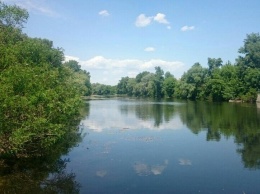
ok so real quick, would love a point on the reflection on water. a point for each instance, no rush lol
(132, 141)
(241, 121)
(184, 162)
(101, 173)
(45, 174)
(144, 146)
(42, 178)
(142, 169)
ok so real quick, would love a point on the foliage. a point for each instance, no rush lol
(102, 89)
(249, 66)
(145, 84)
(44, 174)
(12, 16)
(250, 52)
(39, 98)
(192, 83)
(218, 82)
(169, 85)
(80, 78)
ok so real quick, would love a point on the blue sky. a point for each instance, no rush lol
(117, 38)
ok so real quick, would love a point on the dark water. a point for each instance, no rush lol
(143, 146)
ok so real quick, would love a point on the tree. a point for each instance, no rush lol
(169, 85)
(130, 86)
(102, 89)
(194, 80)
(167, 75)
(139, 76)
(158, 82)
(12, 16)
(81, 77)
(74, 65)
(249, 65)
(122, 85)
(232, 86)
(37, 51)
(214, 64)
(250, 52)
(39, 98)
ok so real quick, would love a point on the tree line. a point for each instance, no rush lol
(40, 95)
(217, 82)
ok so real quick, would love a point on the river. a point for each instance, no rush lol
(147, 146)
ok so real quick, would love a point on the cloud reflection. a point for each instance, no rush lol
(120, 115)
(185, 162)
(101, 173)
(122, 125)
(143, 169)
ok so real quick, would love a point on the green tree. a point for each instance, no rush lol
(167, 75)
(81, 78)
(249, 65)
(169, 85)
(250, 52)
(139, 76)
(12, 16)
(122, 85)
(159, 78)
(39, 98)
(74, 65)
(102, 89)
(214, 64)
(192, 83)
(232, 86)
(130, 86)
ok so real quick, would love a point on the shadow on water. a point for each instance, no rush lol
(241, 121)
(45, 174)
(219, 120)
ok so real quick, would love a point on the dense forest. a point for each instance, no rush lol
(41, 94)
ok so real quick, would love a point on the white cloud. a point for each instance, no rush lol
(110, 71)
(142, 20)
(149, 49)
(34, 6)
(104, 13)
(187, 28)
(160, 18)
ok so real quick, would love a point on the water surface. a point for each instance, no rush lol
(142, 146)
(147, 146)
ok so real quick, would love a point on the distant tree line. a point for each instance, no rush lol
(102, 89)
(217, 82)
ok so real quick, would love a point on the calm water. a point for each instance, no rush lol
(143, 146)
